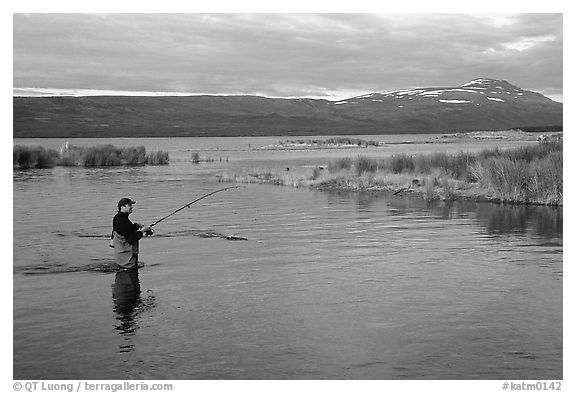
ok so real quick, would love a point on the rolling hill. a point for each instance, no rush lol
(481, 104)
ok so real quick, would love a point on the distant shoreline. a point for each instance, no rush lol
(311, 135)
(311, 142)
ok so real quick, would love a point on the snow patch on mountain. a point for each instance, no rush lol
(455, 101)
(479, 81)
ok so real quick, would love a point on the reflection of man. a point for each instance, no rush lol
(126, 235)
(126, 295)
(126, 291)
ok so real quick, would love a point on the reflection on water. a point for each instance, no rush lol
(128, 305)
(498, 219)
(503, 220)
(126, 294)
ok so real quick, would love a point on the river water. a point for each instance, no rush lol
(326, 286)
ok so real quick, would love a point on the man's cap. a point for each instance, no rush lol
(125, 201)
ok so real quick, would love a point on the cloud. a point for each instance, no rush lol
(525, 43)
(284, 54)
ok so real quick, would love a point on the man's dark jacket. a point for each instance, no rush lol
(126, 228)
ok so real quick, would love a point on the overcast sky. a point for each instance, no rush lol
(330, 56)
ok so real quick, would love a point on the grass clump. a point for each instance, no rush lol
(457, 166)
(106, 155)
(430, 184)
(25, 157)
(97, 156)
(364, 165)
(158, 158)
(339, 164)
(530, 174)
(514, 179)
(338, 141)
(196, 159)
(401, 163)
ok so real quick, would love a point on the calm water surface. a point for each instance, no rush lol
(327, 286)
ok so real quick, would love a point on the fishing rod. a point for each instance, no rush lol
(188, 205)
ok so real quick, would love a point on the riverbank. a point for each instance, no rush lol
(526, 175)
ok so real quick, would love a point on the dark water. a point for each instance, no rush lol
(327, 286)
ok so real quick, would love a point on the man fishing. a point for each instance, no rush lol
(126, 235)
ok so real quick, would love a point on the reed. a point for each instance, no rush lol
(364, 165)
(448, 187)
(97, 156)
(195, 158)
(509, 178)
(105, 155)
(547, 180)
(399, 164)
(346, 141)
(515, 179)
(339, 164)
(525, 175)
(134, 155)
(158, 158)
(430, 188)
(26, 157)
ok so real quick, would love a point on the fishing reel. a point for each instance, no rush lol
(149, 232)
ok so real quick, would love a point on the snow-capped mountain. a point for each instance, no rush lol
(481, 104)
(474, 92)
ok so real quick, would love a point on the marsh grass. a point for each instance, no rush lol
(515, 179)
(196, 159)
(448, 189)
(331, 141)
(158, 158)
(25, 157)
(97, 156)
(363, 165)
(524, 175)
(339, 164)
(547, 180)
(266, 176)
(430, 188)
(401, 163)
(457, 166)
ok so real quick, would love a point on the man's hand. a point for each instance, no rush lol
(146, 230)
